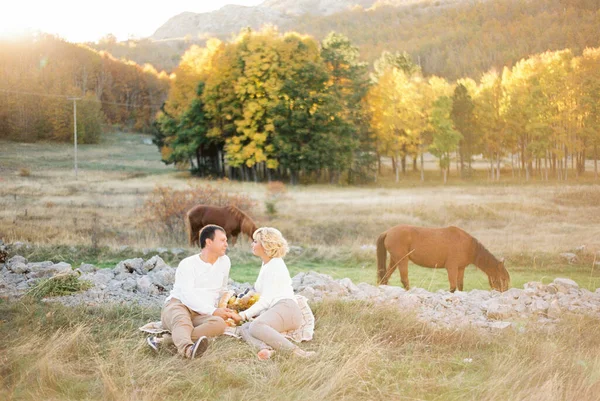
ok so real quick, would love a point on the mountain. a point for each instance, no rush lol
(231, 18)
(315, 7)
(227, 20)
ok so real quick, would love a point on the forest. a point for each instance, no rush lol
(40, 75)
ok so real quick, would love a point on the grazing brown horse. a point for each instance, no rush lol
(448, 247)
(232, 219)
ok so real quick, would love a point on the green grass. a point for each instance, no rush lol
(118, 152)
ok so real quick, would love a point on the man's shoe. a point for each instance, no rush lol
(199, 347)
(153, 343)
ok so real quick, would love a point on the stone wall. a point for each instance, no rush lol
(148, 282)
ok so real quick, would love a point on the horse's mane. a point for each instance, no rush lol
(247, 225)
(239, 214)
(483, 258)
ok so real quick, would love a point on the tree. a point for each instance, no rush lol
(350, 83)
(464, 121)
(445, 138)
(396, 109)
(312, 133)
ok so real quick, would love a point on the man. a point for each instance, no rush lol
(189, 311)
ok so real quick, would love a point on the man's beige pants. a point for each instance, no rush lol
(265, 331)
(187, 326)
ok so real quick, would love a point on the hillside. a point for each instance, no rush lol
(451, 38)
(40, 75)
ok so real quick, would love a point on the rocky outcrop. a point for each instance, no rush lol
(282, 13)
(227, 20)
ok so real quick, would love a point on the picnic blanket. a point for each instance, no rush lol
(303, 333)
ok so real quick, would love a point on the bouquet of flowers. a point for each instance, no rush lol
(238, 301)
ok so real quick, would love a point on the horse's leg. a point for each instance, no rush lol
(389, 271)
(195, 235)
(461, 276)
(452, 276)
(403, 269)
(233, 240)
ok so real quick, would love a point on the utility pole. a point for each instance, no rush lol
(75, 99)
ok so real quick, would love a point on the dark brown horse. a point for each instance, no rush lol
(448, 247)
(232, 219)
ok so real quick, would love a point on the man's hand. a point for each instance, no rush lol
(223, 313)
(226, 313)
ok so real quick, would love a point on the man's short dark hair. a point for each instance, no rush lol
(209, 232)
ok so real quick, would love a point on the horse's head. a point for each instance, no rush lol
(248, 227)
(499, 278)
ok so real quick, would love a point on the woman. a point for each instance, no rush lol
(277, 304)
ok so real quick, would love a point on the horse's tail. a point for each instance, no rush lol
(188, 226)
(381, 258)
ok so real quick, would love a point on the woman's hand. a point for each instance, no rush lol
(235, 316)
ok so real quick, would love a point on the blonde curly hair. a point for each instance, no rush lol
(272, 241)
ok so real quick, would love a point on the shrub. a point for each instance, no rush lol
(276, 191)
(24, 172)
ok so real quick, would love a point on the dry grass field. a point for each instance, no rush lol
(364, 352)
(529, 224)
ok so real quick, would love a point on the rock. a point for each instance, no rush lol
(130, 266)
(145, 286)
(554, 310)
(498, 311)
(369, 247)
(579, 249)
(565, 284)
(155, 262)
(349, 285)
(569, 257)
(130, 284)
(392, 292)
(177, 251)
(87, 268)
(16, 259)
(163, 278)
(540, 306)
(308, 292)
(317, 281)
(513, 293)
(58, 268)
(38, 266)
(368, 290)
(161, 250)
(18, 267)
(534, 287)
(102, 276)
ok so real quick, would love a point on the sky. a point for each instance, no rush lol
(83, 21)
